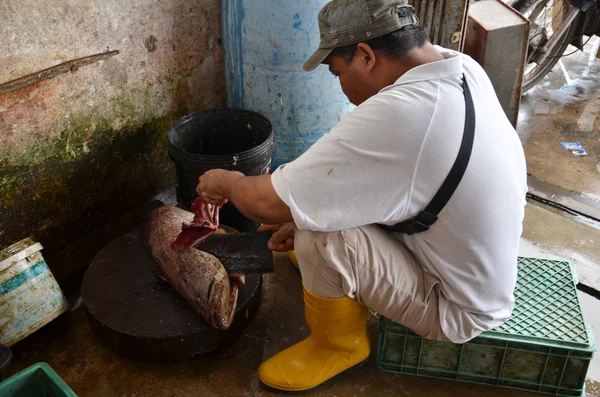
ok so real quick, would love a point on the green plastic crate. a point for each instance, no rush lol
(39, 380)
(545, 346)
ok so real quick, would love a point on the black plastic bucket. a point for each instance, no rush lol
(231, 139)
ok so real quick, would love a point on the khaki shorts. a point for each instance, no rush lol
(371, 266)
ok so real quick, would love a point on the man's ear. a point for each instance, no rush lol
(366, 55)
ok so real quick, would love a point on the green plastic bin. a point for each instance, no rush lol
(545, 346)
(39, 380)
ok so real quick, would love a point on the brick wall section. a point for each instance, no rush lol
(85, 147)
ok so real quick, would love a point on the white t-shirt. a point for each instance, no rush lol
(384, 162)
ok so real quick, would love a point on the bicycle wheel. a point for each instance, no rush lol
(546, 17)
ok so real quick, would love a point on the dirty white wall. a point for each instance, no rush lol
(86, 146)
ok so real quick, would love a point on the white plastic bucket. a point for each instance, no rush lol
(30, 297)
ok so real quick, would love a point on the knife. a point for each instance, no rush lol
(242, 254)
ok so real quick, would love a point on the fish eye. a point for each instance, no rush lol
(198, 301)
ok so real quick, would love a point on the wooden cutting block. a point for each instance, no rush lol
(139, 316)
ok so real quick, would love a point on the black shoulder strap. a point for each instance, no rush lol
(428, 216)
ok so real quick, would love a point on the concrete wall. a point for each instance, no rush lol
(82, 148)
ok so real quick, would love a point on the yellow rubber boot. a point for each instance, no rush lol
(293, 258)
(338, 341)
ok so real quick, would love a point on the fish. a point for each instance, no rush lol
(199, 277)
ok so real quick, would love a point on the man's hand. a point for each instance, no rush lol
(283, 238)
(213, 186)
(253, 196)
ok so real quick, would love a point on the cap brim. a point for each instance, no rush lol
(316, 59)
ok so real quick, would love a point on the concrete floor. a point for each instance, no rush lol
(69, 346)
(562, 108)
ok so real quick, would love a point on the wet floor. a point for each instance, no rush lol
(564, 107)
(91, 370)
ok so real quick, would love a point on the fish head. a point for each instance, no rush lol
(207, 285)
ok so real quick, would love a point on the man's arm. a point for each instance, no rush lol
(253, 196)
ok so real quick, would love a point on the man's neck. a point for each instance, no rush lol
(415, 57)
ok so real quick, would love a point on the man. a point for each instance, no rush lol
(381, 165)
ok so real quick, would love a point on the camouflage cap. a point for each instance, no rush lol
(344, 22)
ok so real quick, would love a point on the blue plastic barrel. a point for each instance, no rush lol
(266, 42)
